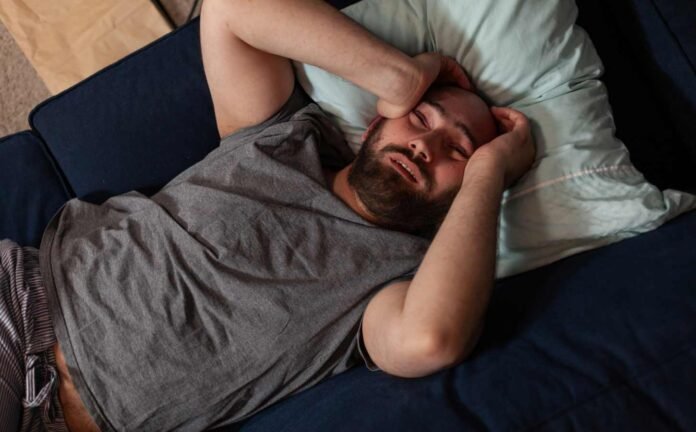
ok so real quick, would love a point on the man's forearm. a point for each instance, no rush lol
(314, 32)
(450, 291)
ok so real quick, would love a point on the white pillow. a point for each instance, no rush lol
(582, 192)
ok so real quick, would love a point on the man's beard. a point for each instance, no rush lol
(388, 197)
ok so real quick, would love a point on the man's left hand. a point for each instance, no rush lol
(514, 149)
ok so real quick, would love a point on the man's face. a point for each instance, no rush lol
(409, 169)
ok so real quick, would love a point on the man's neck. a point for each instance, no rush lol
(338, 184)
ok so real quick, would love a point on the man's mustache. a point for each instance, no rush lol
(418, 162)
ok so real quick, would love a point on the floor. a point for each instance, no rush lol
(21, 88)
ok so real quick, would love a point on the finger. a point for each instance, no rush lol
(501, 124)
(509, 125)
(519, 119)
(505, 125)
(510, 113)
(503, 112)
(453, 72)
(500, 114)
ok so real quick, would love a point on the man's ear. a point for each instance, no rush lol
(375, 121)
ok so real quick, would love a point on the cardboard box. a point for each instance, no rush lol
(69, 40)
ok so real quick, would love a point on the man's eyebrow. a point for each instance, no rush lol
(461, 126)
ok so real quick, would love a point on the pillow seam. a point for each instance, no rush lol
(566, 177)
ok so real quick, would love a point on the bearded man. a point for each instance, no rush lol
(278, 260)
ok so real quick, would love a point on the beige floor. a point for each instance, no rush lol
(20, 87)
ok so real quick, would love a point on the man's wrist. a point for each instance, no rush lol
(399, 78)
(490, 168)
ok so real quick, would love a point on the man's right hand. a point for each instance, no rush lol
(429, 68)
(246, 46)
(513, 150)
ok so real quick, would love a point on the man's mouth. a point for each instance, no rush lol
(404, 167)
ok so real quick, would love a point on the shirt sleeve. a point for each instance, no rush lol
(371, 366)
(362, 350)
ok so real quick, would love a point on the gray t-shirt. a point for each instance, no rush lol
(241, 282)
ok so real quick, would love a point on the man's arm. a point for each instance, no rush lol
(246, 46)
(438, 316)
(442, 307)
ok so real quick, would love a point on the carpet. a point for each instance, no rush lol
(21, 89)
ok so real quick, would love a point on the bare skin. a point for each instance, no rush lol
(77, 419)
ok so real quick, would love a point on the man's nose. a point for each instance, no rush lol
(424, 147)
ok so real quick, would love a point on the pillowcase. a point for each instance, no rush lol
(582, 191)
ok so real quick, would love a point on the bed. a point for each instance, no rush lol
(601, 340)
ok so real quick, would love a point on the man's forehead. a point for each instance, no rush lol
(450, 97)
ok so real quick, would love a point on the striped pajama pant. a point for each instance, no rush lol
(28, 375)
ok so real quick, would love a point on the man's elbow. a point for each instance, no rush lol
(446, 354)
(460, 352)
(433, 355)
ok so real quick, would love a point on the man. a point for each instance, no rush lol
(274, 262)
